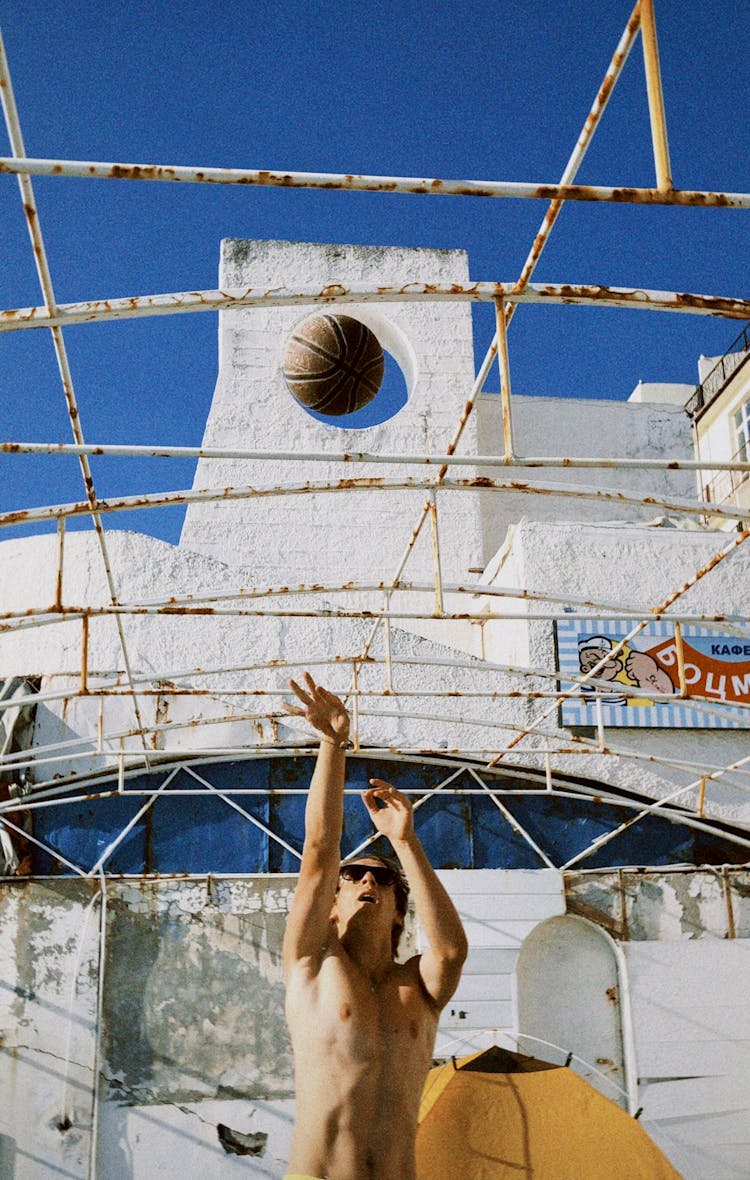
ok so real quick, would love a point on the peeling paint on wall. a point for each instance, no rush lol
(664, 905)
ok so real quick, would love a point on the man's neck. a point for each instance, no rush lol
(373, 957)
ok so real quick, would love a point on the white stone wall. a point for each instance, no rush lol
(582, 428)
(334, 538)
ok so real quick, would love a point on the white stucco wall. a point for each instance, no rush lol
(334, 538)
(716, 439)
(582, 428)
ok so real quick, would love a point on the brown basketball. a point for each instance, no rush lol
(333, 364)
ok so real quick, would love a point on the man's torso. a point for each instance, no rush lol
(361, 1056)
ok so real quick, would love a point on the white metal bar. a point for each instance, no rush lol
(114, 844)
(419, 803)
(515, 825)
(436, 563)
(71, 748)
(60, 556)
(246, 814)
(75, 613)
(590, 126)
(183, 302)
(45, 281)
(372, 457)
(82, 508)
(655, 94)
(98, 170)
(94, 1134)
(388, 649)
(659, 804)
(355, 695)
(722, 554)
(501, 335)
(51, 852)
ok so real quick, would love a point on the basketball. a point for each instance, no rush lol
(333, 364)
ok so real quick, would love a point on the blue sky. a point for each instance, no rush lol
(466, 90)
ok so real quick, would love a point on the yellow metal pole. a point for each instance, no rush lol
(655, 97)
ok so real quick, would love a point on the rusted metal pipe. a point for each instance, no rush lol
(435, 534)
(617, 648)
(184, 302)
(74, 613)
(59, 561)
(514, 823)
(579, 151)
(355, 693)
(505, 387)
(45, 280)
(21, 164)
(114, 844)
(680, 650)
(365, 484)
(83, 690)
(388, 458)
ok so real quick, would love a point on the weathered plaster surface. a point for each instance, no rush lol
(582, 428)
(193, 1013)
(334, 538)
(195, 996)
(48, 974)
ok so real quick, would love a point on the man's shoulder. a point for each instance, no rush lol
(305, 969)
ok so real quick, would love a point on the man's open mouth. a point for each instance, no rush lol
(369, 897)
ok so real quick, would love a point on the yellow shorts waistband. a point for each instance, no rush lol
(301, 1176)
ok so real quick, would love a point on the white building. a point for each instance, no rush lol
(593, 835)
(721, 414)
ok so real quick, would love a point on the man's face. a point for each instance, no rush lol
(364, 900)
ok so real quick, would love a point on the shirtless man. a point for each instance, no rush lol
(362, 1026)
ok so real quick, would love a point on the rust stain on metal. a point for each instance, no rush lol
(612, 996)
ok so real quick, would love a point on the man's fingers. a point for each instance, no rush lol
(287, 707)
(300, 692)
(381, 784)
(369, 798)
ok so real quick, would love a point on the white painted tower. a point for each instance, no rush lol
(336, 537)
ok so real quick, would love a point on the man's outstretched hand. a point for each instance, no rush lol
(321, 708)
(390, 811)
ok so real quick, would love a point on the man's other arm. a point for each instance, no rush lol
(441, 962)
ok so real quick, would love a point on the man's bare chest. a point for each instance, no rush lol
(364, 1023)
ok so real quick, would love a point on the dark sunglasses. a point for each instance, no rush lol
(382, 874)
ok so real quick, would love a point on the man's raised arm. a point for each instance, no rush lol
(441, 963)
(308, 928)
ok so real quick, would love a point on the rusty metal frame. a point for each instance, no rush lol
(101, 507)
(372, 457)
(45, 280)
(506, 298)
(185, 302)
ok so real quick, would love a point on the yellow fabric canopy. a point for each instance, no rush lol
(502, 1116)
